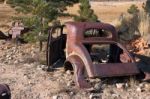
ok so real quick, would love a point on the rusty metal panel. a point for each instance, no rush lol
(55, 47)
(79, 28)
(75, 40)
(122, 64)
(115, 69)
(75, 46)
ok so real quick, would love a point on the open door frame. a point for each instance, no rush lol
(55, 46)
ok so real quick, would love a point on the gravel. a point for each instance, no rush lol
(21, 69)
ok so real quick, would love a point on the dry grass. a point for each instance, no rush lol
(144, 25)
(6, 12)
(107, 12)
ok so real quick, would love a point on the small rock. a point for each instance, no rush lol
(98, 86)
(126, 85)
(69, 83)
(42, 66)
(20, 60)
(97, 80)
(115, 95)
(72, 93)
(147, 86)
(16, 62)
(57, 97)
(139, 89)
(57, 75)
(92, 96)
(119, 85)
(39, 68)
(141, 85)
(68, 72)
(7, 56)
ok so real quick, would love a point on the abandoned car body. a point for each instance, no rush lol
(90, 48)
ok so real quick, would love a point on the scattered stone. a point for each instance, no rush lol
(120, 85)
(10, 58)
(97, 80)
(139, 89)
(141, 85)
(58, 75)
(70, 83)
(44, 67)
(94, 96)
(91, 96)
(7, 56)
(16, 62)
(147, 86)
(57, 97)
(72, 93)
(98, 86)
(126, 85)
(115, 96)
(39, 68)
(68, 72)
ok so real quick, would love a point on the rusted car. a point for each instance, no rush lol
(90, 49)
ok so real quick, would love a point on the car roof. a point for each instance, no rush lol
(83, 26)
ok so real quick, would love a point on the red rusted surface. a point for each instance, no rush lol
(115, 69)
(79, 55)
(78, 67)
(75, 49)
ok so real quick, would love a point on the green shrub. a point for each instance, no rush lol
(38, 14)
(85, 12)
(133, 9)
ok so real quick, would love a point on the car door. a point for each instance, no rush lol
(55, 45)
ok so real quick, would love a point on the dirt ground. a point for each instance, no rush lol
(21, 67)
(6, 13)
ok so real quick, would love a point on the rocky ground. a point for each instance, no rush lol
(23, 70)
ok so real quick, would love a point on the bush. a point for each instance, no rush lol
(39, 14)
(133, 9)
(36, 30)
(85, 12)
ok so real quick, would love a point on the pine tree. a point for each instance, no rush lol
(85, 12)
(135, 20)
(39, 14)
(133, 9)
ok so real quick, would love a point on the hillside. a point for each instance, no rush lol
(107, 11)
